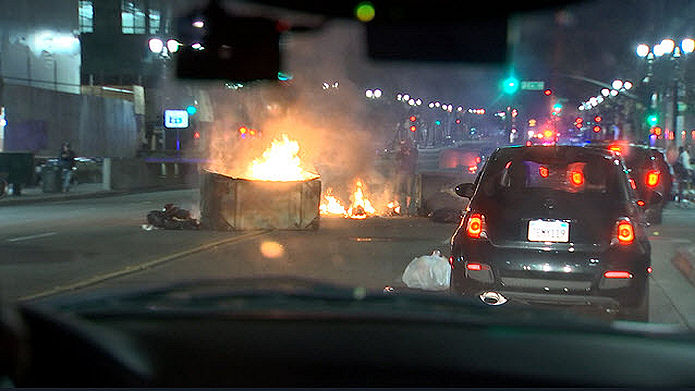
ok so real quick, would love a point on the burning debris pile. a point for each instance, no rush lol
(360, 206)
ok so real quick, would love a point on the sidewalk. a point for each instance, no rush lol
(35, 194)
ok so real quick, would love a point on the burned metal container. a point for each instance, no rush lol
(231, 204)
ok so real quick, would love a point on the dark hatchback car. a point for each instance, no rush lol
(553, 225)
(650, 174)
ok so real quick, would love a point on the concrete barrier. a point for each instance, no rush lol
(136, 174)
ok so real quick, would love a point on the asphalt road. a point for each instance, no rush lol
(88, 244)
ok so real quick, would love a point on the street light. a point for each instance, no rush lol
(617, 84)
(659, 50)
(406, 97)
(369, 93)
(377, 93)
(627, 85)
(399, 96)
(605, 91)
(156, 45)
(431, 105)
(688, 45)
(172, 45)
(418, 102)
(667, 45)
(642, 50)
(437, 104)
(614, 92)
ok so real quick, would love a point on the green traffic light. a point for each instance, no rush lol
(557, 106)
(191, 110)
(437, 122)
(510, 85)
(653, 119)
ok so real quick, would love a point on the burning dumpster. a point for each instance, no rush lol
(274, 192)
(240, 204)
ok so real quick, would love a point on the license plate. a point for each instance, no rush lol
(548, 231)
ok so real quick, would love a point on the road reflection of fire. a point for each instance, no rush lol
(280, 162)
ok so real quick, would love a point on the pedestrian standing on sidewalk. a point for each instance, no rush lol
(66, 160)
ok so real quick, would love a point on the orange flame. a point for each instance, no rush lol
(394, 207)
(280, 162)
(360, 208)
(331, 205)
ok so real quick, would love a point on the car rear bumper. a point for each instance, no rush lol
(554, 277)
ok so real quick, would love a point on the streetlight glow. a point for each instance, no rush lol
(659, 50)
(431, 105)
(599, 99)
(580, 108)
(617, 84)
(369, 93)
(406, 97)
(418, 102)
(156, 45)
(688, 45)
(605, 91)
(459, 109)
(377, 93)
(614, 92)
(411, 102)
(198, 24)
(627, 85)
(642, 50)
(399, 96)
(173, 45)
(437, 104)
(667, 45)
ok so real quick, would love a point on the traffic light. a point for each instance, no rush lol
(597, 129)
(510, 85)
(458, 121)
(196, 135)
(413, 118)
(413, 128)
(652, 119)
(191, 110)
(515, 112)
(656, 130)
(579, 122)
(548, 92)
(437, 122)
(597, 118)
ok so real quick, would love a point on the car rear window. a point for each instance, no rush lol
(528, 173)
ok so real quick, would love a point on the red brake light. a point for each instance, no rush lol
(577, 178)
(633, 185)
(475, 266)
(640, 202)
(474, 227)
(652, 178)
(477, 159)
(543, 171)
(614, 148)
(626, 233)
(617, 274)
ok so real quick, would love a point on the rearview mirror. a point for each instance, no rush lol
(465, 190)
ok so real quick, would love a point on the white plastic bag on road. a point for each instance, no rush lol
(428, 272)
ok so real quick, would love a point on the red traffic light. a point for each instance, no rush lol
(578, 125)
(579, 120)
(548, 92)
(196, 135)
(458, 121)
(413, 118)
(597, 129)
(597, 118)
(413, 128)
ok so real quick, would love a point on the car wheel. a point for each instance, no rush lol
(640, 313)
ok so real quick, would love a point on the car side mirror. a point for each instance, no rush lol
(465, 190)
(656, 198)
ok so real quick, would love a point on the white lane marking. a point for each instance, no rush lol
(43, 235)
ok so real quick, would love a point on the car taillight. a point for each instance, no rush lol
(475, 266)
(577, 178)
(633, 185)
(543, 171)
(474, 227)
(652, 178)
(640, 202)
(617, 274)
(625, 232)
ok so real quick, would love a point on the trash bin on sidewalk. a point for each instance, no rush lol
(51, 177)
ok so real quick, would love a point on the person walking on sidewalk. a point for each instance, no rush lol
(66, 160)
(406, 168)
